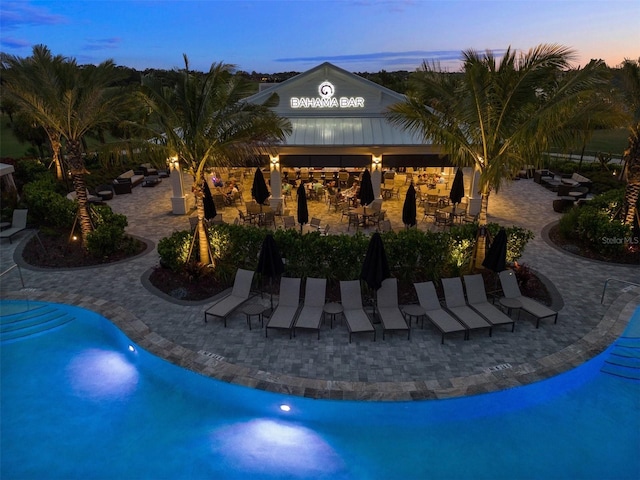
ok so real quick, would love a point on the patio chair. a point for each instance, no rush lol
(354, 314)
(288, 221)
(315, 223)
(311, 314)
(240, 293)
(442, 320)
(324, 231)
(385, 226)
(442, 219)
(456, 304)
(355, 220)
(388, 310)
(477, 299)
(18, 224)
(511, 289)
(285, 312)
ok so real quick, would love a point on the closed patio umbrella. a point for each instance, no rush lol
(457, 189)
(375, 267)
(365, 195)
(303, 210)
(270, 263)
(409, 207)
(496, 258)
(259, 190)
(208, 203)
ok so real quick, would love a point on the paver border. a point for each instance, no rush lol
(610, 327)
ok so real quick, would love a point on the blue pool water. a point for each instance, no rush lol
(78, 403)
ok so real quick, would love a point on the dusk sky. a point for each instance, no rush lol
(269, 36)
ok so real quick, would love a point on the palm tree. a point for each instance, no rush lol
(631, 89)
(68, 101)
(31, 79)
(204, 122)
(499, 115)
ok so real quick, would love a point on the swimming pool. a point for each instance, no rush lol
(81, 401)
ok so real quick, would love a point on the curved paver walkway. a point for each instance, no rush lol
(394, 369)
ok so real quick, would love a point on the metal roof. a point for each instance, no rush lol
(348, 131)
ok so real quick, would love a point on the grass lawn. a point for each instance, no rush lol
(9, 145)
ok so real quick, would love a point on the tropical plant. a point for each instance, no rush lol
(499, 115)
(631, 77)
(204, 122)
(34, 80)
(68, 101)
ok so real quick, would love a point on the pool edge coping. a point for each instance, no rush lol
(610, 327)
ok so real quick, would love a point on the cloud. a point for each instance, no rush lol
(18, 14)
(14, 43)
(400, 60)
(410, 55)
(102, 43)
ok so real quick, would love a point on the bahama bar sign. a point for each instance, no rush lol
(327, 99)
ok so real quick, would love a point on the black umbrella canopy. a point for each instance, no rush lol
(457, 188)
(269, 261)
(496, 258)
(259, 190)
(365, 195)
(409, 207)
(208, 203)
(303, 210)
(376, 266)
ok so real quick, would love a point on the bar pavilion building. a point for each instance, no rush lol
(338, 124)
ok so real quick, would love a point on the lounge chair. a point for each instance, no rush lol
(284, 314)
(311, 314)
(456, 304)
(239, 294)
(442, 320)
(354, 314)
(387, 304)
(511, 289)
(477, 299)
(18, 224)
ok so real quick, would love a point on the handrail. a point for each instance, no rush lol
(11, 268)
(606, 283)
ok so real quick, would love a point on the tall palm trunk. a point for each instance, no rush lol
(632, 191)
(203, 238)
(56, 145)
(78, 171)
(481, 242)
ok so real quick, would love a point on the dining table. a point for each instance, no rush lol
(366, 213)
(455, 213)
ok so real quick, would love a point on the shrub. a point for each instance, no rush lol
(413, 255)
(46, 207)
(595, 226)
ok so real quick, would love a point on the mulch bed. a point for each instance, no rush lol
(54, 250)
(629, 257)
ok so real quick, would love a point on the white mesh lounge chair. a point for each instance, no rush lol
(477, 299)
(284, 314)
(239, 294)
(310, 316)
(18, 224)
(442, 320)
(354, 314)
(456, 304)
(387, 304)
(511, 289)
